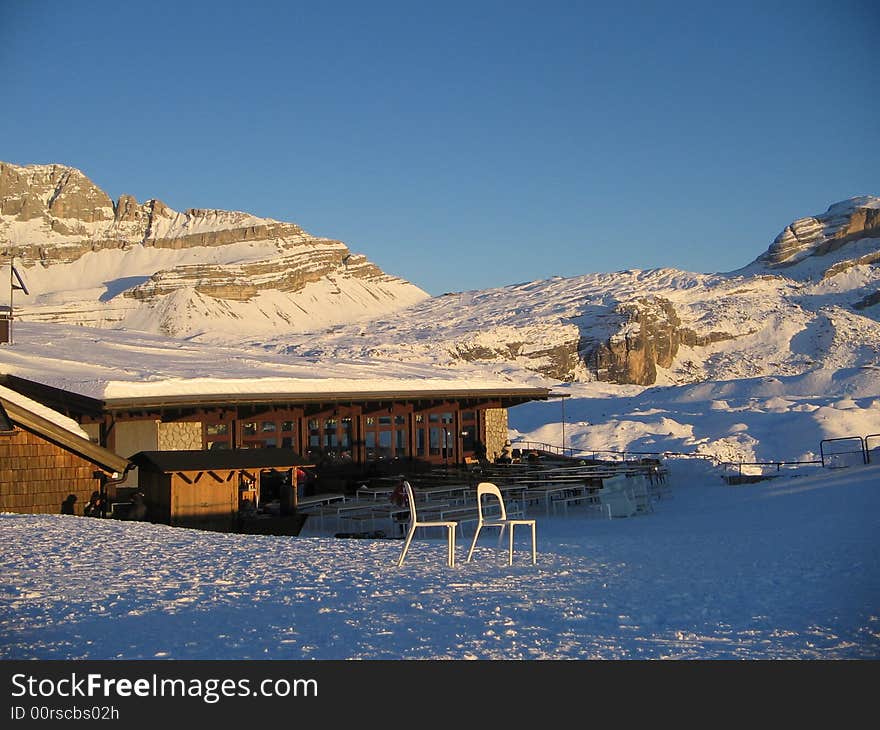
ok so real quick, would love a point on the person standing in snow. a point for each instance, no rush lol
(138, 510)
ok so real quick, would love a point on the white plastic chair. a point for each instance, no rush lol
(615, 499)
(414, 524)
(640, 494)
(501, 521)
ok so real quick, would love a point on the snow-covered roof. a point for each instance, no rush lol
(58, 429)
(116, 367)
(58, 419)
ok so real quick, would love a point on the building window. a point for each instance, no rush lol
(434, 441)
(331, 439)
(384, 444)
(400, 446)
(345, 433)
(217, 436)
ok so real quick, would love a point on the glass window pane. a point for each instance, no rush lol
(268, 426)
(400, 447)
(249, 429)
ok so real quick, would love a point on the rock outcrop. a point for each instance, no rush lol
(849, 220)
(52, 216)
(649, 337)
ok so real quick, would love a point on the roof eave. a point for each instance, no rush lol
(522, 395)
(98, 455)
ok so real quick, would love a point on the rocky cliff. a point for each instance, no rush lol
(843, 222)
(54, 214)
(93, 261)
(649, 338)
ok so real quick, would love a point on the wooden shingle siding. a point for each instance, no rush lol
(37, 476)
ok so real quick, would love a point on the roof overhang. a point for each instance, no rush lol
(510, 396)
(169, 462)
(107, 460)
(67, 401)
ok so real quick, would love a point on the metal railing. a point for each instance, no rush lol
(861, 450)
(773, 466)
(872, 453)
(837, 458)
(569, 452)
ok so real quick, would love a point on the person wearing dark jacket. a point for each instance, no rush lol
(138, 510)
(97, 506)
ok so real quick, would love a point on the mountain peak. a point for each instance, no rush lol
(147, 266)
(848, 220)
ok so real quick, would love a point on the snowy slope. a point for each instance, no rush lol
(788, 569)
(766, 419)
(664, 326)
(770, 325)
(95, 290)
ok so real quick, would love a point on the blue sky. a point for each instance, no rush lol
(462, 145)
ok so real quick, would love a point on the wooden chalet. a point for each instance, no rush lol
(210, 489)
(435, 427)
(46, 468)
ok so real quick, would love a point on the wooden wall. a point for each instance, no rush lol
(37, 476)
(207, 500)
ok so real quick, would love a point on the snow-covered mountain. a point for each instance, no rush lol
(89, 260)
(810, 301)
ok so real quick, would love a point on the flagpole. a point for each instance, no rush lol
(11, 268)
